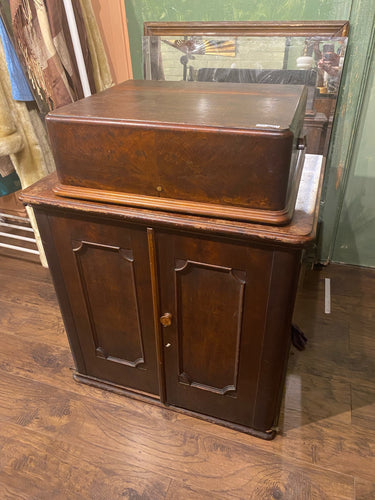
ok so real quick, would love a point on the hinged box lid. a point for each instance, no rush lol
(215, 149)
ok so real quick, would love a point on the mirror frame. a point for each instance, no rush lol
(248, 28)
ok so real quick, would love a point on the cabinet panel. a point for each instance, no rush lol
(106, 273)
(209, 318)
(114, 316)
(230, 304)
(217, 294)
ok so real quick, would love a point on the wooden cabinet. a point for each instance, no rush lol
(180, 310)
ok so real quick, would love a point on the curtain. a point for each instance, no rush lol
(101, 70)
(44, 47)
(19, 140)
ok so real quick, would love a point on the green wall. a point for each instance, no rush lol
(340, 183)
(346, 163)
(355, 240)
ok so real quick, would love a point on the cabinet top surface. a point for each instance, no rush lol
(270, 108)
(300, 232)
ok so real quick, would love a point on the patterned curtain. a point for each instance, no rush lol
(45, 49)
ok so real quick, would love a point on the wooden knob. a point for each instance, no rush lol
(166, 319)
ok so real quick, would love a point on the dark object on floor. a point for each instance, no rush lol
(299, 339)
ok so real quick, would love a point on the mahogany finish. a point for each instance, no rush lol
(186, 311)
(110, 298)
(229, 151)
(224, 353)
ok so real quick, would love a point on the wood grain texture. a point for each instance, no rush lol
(178, 490)
(168, 145)
(106, 276)
(274, 217)
(301, 233)
(60, 439)
(233, 303)
(364, 490)
(363, 405)
(39, 467)
(201, 459)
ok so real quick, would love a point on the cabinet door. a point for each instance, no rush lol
(105, 273)
(227, 309)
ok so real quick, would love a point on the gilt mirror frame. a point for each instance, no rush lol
(248, 28)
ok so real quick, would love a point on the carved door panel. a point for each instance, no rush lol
(218, 298)
(106, 274)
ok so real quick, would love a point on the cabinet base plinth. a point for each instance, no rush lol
(117, 389)
(152, 399)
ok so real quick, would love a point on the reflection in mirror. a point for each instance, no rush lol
(314, 61)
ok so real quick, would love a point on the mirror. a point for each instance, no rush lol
(310, 54)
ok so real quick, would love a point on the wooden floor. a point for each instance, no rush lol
(63, 440)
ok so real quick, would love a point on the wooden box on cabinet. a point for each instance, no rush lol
(231, 150)
(186, 311)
